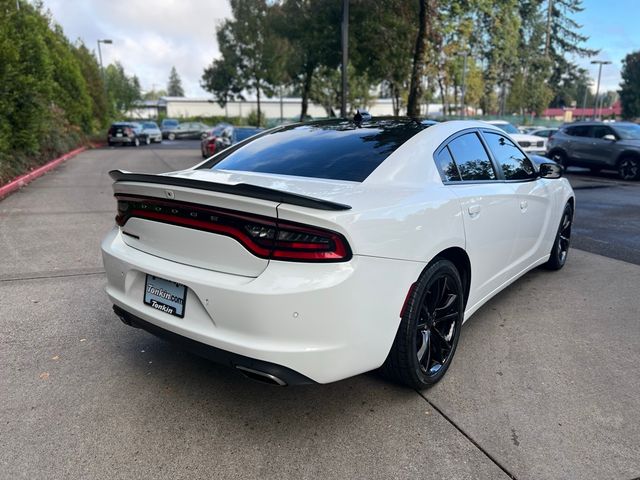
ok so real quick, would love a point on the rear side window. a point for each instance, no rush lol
(578, 131)
(515, 164)
(447, 166)
(471, 158)
(334, 150)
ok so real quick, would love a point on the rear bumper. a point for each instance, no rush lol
(121, 139)
(280, 375)
(325, 322)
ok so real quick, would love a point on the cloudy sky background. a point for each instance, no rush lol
(152, 35)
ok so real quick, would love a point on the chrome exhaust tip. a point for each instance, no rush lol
(262, 377)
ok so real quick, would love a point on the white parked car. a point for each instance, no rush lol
(530, 143)
(314, 252)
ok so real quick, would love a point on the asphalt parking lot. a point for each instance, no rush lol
(545, 383)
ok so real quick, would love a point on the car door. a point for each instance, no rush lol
(532, 199)
(488, 209)
(602, 151)
(580, 143)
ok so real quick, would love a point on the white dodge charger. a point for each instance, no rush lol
(313, 252)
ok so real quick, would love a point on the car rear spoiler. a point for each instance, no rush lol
(242, 189)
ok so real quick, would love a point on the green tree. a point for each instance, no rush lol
(174, 85)
(311, 31)
(123, 90)
(630, 86)
(90, 70)
(253, 55)
(154, 94)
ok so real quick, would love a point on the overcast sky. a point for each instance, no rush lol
(152, 35)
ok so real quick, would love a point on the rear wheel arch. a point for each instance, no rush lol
(461, 261)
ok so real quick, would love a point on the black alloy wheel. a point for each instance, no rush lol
(560, 249)
(629, 168)
(559, 157)
(430, 328)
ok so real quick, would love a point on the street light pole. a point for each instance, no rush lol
(595, 103)
(106, 42)
(345, 56)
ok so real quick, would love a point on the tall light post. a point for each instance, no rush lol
(464, 55)
(106, 42)
(599, 63)
(345, 56)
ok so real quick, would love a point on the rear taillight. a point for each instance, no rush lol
(263, 236)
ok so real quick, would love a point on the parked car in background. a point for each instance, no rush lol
(309, 253)
(598, 145)
(529, 143)
(232, 135)
(167, 126)
(543, 132)
(189, 130)
(208, 143)
(150, 132)
(124, 133)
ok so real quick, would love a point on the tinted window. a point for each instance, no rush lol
(515, 164)
(600, 131)
(150, 125)
(447, 166)
(471, 158)
(169, 123)
(336, 150)
(579, 131)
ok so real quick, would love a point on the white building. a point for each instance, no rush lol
(181, 107)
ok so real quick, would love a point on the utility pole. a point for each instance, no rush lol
(595, 103)
(464, 55)
(345, 56)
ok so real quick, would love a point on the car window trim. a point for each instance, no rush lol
(495, 160)
(445, 144)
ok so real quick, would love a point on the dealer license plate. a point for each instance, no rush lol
(166, 296)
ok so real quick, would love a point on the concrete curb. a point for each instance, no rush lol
(22, 180)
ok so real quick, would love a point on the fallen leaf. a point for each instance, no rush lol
(55, 357)
(44, 375)
(83, 339)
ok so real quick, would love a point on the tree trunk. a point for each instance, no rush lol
(306, 88)
(415, 88)
(442, 95)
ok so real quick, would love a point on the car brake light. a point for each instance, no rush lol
(263, 236)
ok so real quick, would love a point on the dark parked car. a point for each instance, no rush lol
(125, 133)
(598, 145)
(167, 126)
(231, 135)
(208, 143)
(189, 130)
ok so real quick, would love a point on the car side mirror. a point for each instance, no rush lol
(550, 170)
(609, 137)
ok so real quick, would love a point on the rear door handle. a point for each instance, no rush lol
(474, 210)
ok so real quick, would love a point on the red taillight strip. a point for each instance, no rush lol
(335, 249)
(232, 232)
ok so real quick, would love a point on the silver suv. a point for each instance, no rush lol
(598, 145)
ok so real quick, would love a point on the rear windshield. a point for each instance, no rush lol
(150, 125)
(169, 123)
(507, 127)
(334, 150)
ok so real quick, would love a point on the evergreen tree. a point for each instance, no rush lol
(174, 86)
(630, 86)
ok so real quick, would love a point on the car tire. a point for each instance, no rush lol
(171, 136)
(559, 157)
(136, 142)
(147, 141)
(629, 168)
(429, 329)
(560, 249)
(111, 144)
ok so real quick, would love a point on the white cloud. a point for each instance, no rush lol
(149, 37)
